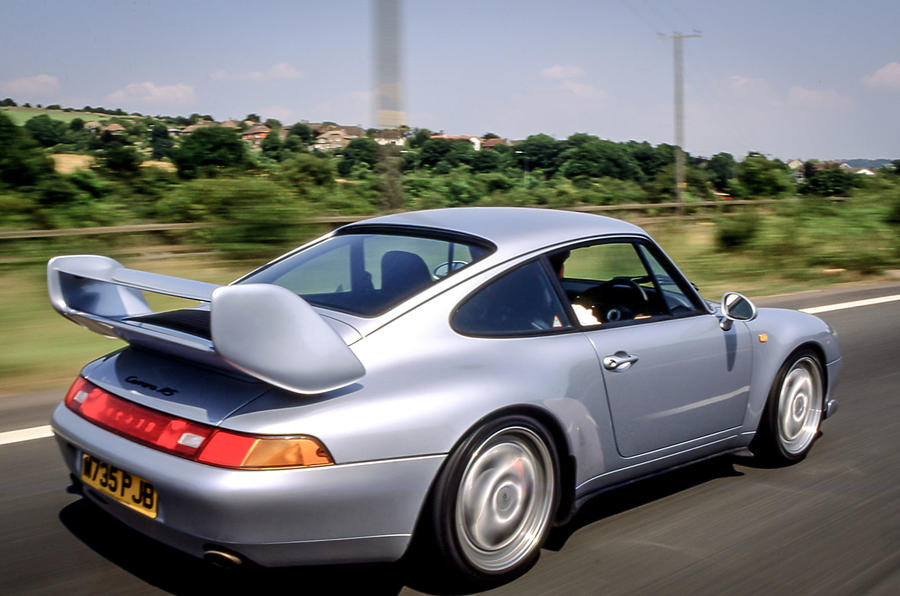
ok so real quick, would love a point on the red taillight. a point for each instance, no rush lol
(191, 440)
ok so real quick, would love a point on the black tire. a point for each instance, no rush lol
(790, 421)
(507, 471)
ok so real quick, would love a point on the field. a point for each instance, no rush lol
(20, 115)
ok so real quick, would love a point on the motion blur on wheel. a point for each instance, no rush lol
(467, 377)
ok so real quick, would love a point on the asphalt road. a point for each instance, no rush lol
(829, 525)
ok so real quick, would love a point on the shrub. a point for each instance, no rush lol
(737, 231)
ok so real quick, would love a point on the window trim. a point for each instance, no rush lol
(700, 306)
(409, 231)
(568, 326)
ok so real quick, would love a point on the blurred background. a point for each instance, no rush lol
(200, 140)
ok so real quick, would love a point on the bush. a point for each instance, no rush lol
(250, 216)
(737, 231)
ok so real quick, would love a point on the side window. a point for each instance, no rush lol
(673, 295)
(610, 283)
(520, 302)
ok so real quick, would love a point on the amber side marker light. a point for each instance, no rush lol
(763, 338)
(191, 440)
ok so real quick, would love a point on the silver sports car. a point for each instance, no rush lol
(468, 377)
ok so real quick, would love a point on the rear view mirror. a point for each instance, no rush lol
(736, 307)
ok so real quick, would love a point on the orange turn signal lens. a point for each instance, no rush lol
(233, 450)
(763, 338)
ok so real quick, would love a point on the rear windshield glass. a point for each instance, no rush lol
(369, 273)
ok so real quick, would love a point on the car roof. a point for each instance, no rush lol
(514, 230)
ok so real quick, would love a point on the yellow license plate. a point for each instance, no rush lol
(128, 489)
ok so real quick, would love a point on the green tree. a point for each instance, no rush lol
(539, 152)
(22, 163)
(271, 145)
(301, 131)
(161, 144)
(273, 123)
(303, 170)
(721, 168)
(46, 131)
(7, 103)
(209, 150)
(120, 159)
(830, 182)
(76, 124)
(252, 117)
(763, 177)
(591, 157)
(359, 151)
(418, 136)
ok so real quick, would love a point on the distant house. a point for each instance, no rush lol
(389, 137)
(255, 134)
(114, 128)
(199, 124)
(93, 126)
(337, 137)
(794, 164)
(476, 141)
(491, 143)
(231, 124)
(863, 171)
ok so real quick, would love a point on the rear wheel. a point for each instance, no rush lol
(494, 501)
(790, 422)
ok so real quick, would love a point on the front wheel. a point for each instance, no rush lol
(494, 501)
(790, 422)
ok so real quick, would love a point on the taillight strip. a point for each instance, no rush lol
(191, 440)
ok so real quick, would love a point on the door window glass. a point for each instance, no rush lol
(520, 302)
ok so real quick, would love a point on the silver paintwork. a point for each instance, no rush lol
(695, 391)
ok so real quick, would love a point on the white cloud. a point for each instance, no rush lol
(152, 93)
(583, 90)
(886, 76)
(817, 99)
(37, 85)
(280, 71)
(560, 72)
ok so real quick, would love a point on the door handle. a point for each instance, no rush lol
(620, 361)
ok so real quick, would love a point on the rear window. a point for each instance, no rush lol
(368, 273)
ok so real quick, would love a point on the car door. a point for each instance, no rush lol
(672, 375)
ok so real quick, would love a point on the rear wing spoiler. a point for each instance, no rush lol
(264, 330)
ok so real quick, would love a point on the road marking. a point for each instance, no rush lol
(26, 434)
(854, 304)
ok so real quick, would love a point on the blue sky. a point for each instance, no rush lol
(792, 78)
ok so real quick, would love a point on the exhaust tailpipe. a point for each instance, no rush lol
(221, 558)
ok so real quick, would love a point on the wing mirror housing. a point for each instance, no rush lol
(736, 307)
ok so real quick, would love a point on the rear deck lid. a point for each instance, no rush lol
(174, 386)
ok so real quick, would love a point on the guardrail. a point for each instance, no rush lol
(346, 219)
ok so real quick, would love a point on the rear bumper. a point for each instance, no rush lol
(334, 514)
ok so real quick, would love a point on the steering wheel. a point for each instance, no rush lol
(618, 299)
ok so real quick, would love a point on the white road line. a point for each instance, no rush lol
(25, 434)
(854, 304)
(43, 432)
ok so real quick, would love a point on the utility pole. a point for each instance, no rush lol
(389, 113)
(388, 34)
(678, 38)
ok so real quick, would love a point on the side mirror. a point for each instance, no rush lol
(736, 307)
